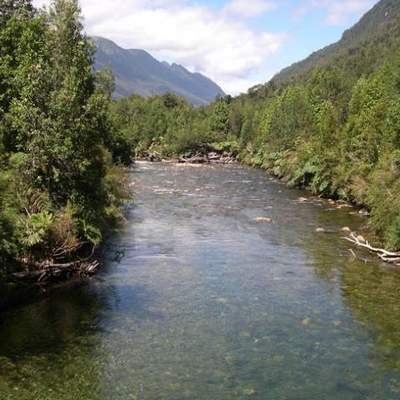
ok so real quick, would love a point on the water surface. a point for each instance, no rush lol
(199, 300)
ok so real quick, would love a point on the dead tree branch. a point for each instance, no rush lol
(385, 255)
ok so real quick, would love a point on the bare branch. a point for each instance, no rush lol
(385, 255)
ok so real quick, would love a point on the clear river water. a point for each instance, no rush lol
(200, 299)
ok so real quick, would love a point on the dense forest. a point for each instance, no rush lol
(60, 190)
(330, 124)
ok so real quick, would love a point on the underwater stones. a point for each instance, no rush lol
(278, 359)
(320, 230)
(249, 392)
(231, 360)
(6, 363)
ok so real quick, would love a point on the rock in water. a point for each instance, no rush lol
(264, 219)
(361, 239)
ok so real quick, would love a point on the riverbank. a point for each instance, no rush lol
(208, 302)
(44, 281)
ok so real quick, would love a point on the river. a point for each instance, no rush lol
(199, 300)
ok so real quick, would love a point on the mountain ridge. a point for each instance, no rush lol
(137, 72)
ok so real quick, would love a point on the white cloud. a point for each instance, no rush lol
(247, 9)
(337, 12)
(205, 40)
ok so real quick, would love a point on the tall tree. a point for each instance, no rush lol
(9, 8)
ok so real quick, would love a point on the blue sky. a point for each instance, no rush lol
(237, 43)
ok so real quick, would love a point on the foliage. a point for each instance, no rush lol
(58, 189)
(164, 124)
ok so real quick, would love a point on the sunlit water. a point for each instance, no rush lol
(199, 300)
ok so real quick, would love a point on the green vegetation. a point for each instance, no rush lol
(330, 123)
(166, 125)
(59, 188)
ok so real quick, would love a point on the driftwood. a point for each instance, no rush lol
(194, 160)
(57, 272)
(199, 158)
(150, 156)
(51, 270)
(221, 158)
(213, 158)
(385, 255)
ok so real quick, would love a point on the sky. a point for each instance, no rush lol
(237, 43)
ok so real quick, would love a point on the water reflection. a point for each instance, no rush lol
(206, 302)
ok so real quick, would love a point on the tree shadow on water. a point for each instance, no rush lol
(82, 315)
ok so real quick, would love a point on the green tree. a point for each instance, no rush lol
(219, 119)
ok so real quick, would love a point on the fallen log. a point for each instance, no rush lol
(194, 160)
(149, 156)
(49, 272)
(385, 255)
(214, 156)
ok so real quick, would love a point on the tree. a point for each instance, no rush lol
(10, 8)
(105, 82)
(61, 125)
(219, 119)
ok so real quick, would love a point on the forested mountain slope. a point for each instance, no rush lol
(374, 36)
(137, 72)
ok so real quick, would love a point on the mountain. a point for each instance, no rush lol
(381, 25)
(137, 72)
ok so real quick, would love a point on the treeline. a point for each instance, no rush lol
(167, 125)
(334, 129)
(59, 187)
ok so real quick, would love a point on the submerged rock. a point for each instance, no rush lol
(302, 199)
(249, 392)
(263, 219)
